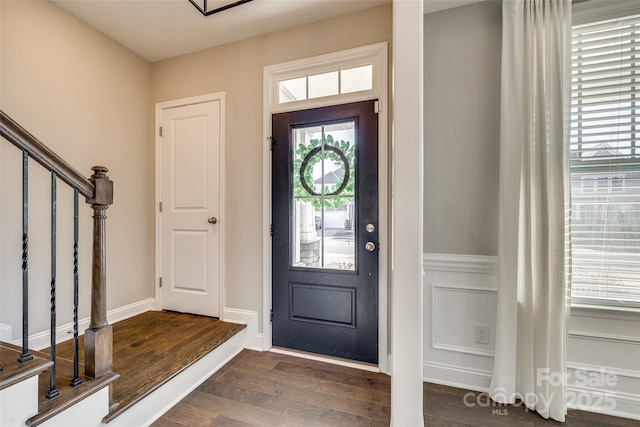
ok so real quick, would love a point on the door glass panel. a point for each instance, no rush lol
(322, 234)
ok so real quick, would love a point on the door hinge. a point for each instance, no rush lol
(376, 107)
(272, 143)
(160, 282)
(271, 315)
(160, 131)
(271, 230)
(160, 206)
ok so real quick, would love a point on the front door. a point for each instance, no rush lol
(325, 231)
(190, 214)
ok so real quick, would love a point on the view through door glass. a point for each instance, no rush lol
(325, 231)
(324, 196)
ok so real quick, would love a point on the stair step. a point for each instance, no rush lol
(13, 371)
(155, 371)
(147, 353)
(69, 396)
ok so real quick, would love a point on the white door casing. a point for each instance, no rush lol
(376, 55)
(189, 191)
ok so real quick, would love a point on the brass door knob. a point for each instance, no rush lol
(213, 220)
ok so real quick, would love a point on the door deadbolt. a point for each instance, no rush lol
(370, 246)
(213, 220)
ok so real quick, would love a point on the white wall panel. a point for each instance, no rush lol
(603, 372)
(459, 292)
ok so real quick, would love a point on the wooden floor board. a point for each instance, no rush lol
(355, 407)
(266, 389)
(329, 374)
(357, 393)
(193, 417)
(263, 359)
(334, 367)
(271, 389)
(151, 348)
(236, 410)
(268, 380)
(13, 371)
(285, 404)
(222, 421)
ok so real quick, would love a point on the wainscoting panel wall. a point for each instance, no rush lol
(603, 372)
(604, 361)
(459, 296)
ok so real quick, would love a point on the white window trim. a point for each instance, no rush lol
(367, 55)
(582, 13)
(376, 55)
(599, 10)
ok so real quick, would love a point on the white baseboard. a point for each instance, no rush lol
(164, 398)
(456, 376)
(254, 339)
(613, 399)
(130, 310)
(617, 404)
(6, 332)
(41, 340)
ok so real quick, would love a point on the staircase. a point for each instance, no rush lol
(139, 402)
(78, 383)
(19, 385)
(22, 367)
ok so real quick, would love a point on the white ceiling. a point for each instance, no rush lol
(161, 29)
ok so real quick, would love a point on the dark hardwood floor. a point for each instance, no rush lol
(269, 389)
(153, 347)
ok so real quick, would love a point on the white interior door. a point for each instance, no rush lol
(190, 215)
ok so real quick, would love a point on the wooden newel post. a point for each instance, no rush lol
(98, 339)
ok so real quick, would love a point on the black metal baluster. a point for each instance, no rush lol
(53, 391)
(25, 356)
(76, 381)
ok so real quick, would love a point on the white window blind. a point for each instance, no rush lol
(605, 162)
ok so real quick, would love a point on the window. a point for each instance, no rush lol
(349, 80)
(351, 75)
(605, 162)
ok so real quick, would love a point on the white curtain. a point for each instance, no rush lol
(533, 294)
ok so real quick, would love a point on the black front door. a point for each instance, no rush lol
(325, 231)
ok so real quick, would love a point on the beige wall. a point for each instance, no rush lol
(91, 100)
(237, 69)
(86, 97)
(462, 129)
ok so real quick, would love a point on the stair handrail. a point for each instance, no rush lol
(21, 138)
(98, 191)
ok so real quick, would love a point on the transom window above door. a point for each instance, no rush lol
(348, 76)
(348, 80)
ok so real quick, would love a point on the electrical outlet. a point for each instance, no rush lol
(482, 334)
